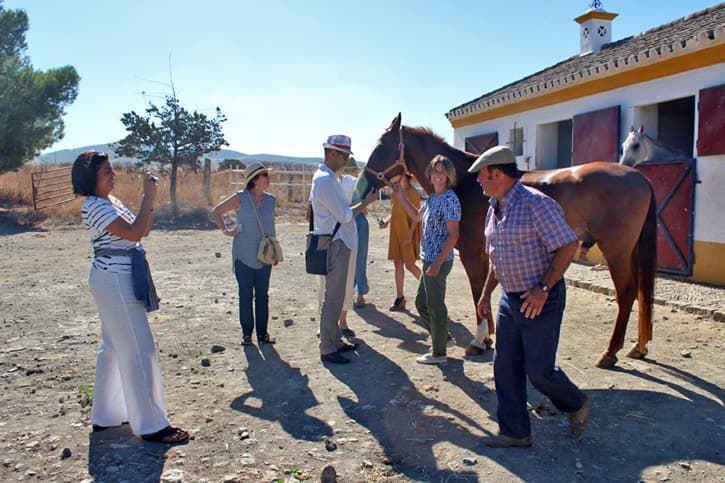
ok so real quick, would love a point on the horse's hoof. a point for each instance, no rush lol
(637, 353)
(606, 361)
(473, 350)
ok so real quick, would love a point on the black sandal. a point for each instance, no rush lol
(266, 339)
(247, 340)
(168, 435)
(399, 304)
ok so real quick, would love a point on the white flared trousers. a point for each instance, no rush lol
(128, 384)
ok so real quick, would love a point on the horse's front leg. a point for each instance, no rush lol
(475, 262)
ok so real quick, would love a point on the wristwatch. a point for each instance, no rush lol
(544, 288)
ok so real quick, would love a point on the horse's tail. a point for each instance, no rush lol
(644, 262)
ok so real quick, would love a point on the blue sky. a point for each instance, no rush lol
(288, 73)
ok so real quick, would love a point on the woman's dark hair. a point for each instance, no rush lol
(85, 171)
(250, 184)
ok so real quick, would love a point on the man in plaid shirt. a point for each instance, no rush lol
(530, 247)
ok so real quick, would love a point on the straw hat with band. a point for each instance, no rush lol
(338, 142)
(254, 169)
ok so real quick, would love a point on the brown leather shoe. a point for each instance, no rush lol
(503, 441)
(578, 419)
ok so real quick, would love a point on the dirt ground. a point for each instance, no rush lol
(275, 413)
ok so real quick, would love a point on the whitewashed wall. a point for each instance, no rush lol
(710, 199)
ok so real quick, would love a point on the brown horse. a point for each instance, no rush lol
(605, 203)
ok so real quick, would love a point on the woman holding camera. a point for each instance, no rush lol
(128, 386)
(253, 207)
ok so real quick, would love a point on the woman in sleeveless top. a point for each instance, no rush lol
(252, 276)
(128, 386)
(404, 241)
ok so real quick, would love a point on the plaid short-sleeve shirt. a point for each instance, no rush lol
(522, 239)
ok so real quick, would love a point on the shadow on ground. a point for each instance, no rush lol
(115, 454)
(407, 423)
(633, 434)
(284, 394)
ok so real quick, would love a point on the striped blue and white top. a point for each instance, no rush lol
(96, 214)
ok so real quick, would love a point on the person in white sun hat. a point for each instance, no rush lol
(330, 208)
(254, 209)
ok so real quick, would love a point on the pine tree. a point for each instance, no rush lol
(32, 102)
(171, 137)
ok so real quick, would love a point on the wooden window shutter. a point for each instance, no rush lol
(711, 121)
(482, 142)
(596, 136)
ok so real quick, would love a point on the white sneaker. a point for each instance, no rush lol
(429, 358)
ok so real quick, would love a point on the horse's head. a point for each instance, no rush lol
(386, 161)
(639, 148)
(634, 147)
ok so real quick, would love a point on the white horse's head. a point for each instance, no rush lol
(634, 148)
(639, 148)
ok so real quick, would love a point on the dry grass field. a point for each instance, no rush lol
(16, 196)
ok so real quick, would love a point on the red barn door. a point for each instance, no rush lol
(674, 187)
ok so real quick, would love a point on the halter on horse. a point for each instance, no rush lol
(381, 175)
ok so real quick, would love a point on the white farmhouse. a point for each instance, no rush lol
(671, 80)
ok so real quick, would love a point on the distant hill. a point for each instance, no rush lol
(67, 156)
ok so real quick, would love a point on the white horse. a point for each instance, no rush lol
(639, 148)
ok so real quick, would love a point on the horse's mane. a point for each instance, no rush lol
(450, 151)
(426, 131)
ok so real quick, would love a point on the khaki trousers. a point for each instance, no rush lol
(332, 301)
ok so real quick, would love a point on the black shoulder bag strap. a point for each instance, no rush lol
(312, 224)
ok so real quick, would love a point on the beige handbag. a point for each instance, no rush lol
(269, 251)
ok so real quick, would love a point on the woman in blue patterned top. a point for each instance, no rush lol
(128, 376)
(440, 214)
(252, 276)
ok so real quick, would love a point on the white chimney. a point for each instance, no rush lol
(595, 28)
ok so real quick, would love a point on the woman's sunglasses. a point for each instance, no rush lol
(97, 157)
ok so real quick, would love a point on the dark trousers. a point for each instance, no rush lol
(527, 347)
(253, 284)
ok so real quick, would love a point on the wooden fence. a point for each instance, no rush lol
(52, 187)
(290, 184)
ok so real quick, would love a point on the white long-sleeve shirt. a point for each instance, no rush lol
(329, 207)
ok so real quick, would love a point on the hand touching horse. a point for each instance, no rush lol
(610, 204)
